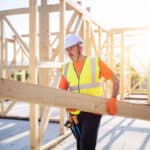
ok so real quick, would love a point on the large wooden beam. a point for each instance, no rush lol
(30, 93)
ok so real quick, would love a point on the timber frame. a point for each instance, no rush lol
(45, 55)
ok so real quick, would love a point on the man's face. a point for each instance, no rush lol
(73, 52)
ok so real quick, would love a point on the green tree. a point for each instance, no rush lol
(19, 75)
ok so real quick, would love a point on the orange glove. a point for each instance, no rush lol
(111, 106)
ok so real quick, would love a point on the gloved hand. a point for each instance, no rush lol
(111, 106)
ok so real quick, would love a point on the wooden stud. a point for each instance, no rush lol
(62, 30)
(148, 76)
(122, 79)
(34, 115)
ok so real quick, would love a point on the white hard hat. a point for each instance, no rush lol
(72, 39)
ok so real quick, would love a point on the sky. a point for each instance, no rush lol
(108, 13)
(120, 13)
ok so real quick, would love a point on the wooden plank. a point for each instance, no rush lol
(44, 30)
(78, 24)
(148, 75)
(14, 66)
(70, 23)
(43, 124)
(34, 113)
(31, 93)
(87, 38)
(34, 145)
(62, 120)
(19, 11)
(23, 44)
(75, 6)
(2, 105)
(55, 141)
(62, 29)
(144, 28)
(33, 39)
(9, 108)
(100, 41)
(122, 66)
(94, 42)
(16, 11)
(2, 48)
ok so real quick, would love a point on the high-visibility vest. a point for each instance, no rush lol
(88, 82)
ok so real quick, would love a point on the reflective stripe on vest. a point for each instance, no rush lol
(90, 85)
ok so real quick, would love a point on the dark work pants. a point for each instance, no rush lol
(89, 125)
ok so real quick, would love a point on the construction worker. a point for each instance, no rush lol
(83, 75)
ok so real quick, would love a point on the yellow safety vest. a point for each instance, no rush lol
(88, 82)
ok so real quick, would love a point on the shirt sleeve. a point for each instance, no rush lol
(105, 71)
(63, 84)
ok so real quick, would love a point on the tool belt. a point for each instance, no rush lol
(72, 118)
(73, 124)
(73, 111)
